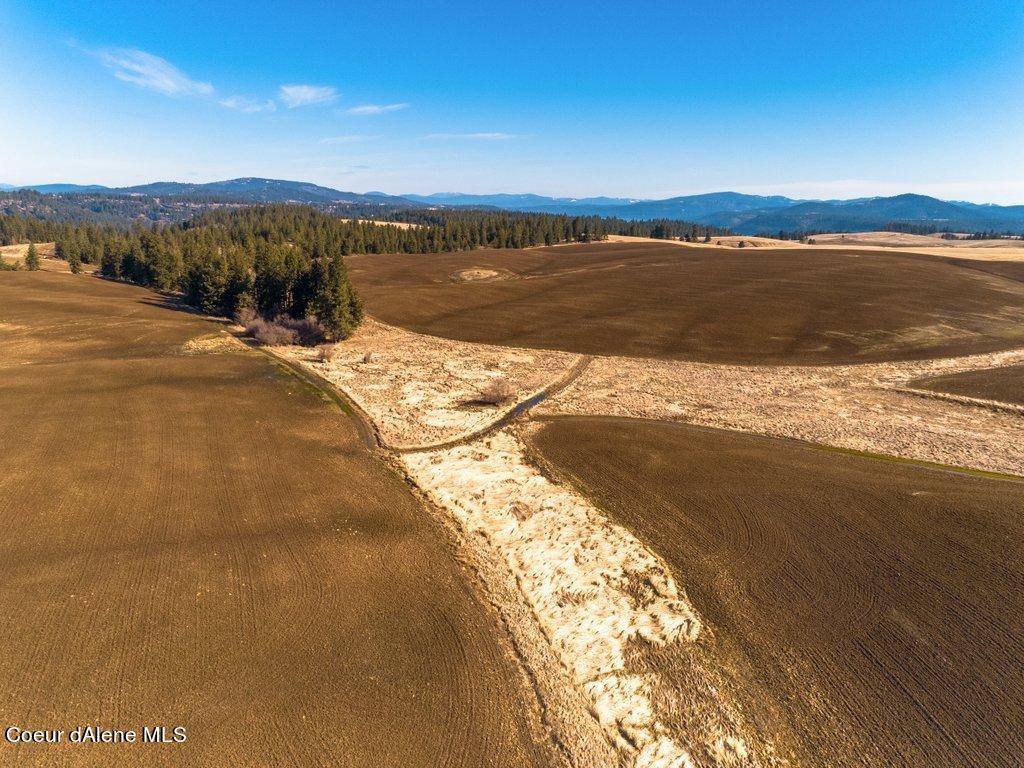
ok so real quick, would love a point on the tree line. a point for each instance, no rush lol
(25, 229)
(529, 229)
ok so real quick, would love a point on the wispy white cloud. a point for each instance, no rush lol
(248, 104)
(350, 139)
(376, 109)
(473, 136)
(147, 70)
(298, 95)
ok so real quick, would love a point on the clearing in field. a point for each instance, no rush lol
(868, 612)
(191, 537)
(769, 306)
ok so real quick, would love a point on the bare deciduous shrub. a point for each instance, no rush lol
(245, 315)
(328, 352)
(497, 391)
(266, 332)
(308, 330)
(368, 357)
(282, 330)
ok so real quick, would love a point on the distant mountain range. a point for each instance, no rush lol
(689, 208)
(744, 214)
(526, 202)
(247, 189)
(755, 214)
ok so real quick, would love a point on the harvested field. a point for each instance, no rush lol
(869, 612)
(770, 306)
(191, 537)
(1005, 385)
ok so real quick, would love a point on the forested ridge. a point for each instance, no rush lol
(287, 260)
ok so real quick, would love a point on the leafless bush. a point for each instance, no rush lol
(368, 357)
(266, 332)
(282, 329)
(308, 330)
(496, 391)
(328, 352)
(245, 315)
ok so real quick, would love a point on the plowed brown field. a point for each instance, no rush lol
(868, 612)
(200, 541)
(1005, 384)
(806, 306)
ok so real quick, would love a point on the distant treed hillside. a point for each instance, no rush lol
(255, 190)
(101, 208)
(124, 210)
(249, 190)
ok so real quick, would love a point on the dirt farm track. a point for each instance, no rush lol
(746, 306)
(198, 540)
(871, 612)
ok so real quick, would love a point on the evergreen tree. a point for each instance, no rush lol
(335, 303)
(205, 284)
(32, 258)
(110, 261)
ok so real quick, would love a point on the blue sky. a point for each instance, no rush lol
(645, 99)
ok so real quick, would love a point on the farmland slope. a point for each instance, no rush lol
(871, 612)
(725, 306)
(197, 540)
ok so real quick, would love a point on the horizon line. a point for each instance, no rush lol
(556, 197)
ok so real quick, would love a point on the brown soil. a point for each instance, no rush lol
(1005, 385)
(809, 306)
(200, 540)
(870, 612)
(1008, 269)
